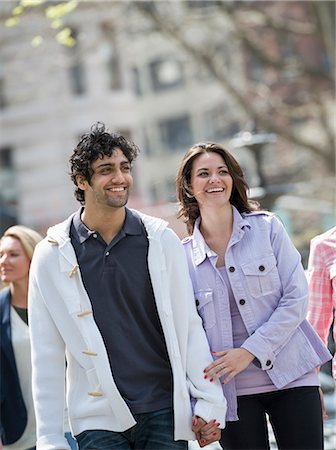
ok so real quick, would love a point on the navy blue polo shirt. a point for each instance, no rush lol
(117, 280)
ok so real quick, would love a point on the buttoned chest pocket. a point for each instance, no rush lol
(205, 307)
(262, 276)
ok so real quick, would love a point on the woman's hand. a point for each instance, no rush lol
(206, 433)
(230, 362)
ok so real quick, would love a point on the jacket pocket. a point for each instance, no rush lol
(262, 276)
(205, 307)
(86, 397)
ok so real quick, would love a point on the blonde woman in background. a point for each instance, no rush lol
(17, 422)
(17, 412)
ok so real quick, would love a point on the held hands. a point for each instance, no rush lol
(230, 362)
(206, 433)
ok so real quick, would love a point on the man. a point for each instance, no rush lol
(109, 289)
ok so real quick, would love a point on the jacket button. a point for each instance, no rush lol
(242, 301)
(197, 302)
(231, 269)
(268, 362)
(261, 268)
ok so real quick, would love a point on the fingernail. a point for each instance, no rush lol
(204, 370)
(194, 421)
(213, 353)
(211, 379)
(217, 424)
(223, 382)
(214, 421)
(205, 376)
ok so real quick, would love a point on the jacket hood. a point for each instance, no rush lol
(154, 225)
(60, 233)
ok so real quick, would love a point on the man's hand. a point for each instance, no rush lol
(230, 362)
(206, 433)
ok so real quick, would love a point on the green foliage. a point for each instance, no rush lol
(54, 13)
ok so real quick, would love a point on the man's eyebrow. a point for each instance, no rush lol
(111, 164)
(104, 165)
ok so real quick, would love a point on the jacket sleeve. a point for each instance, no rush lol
(209, 401)
(48, 363)
(320, 307)
(273, 334)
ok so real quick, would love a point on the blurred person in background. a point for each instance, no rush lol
(17, 411)
(110, 288)
(251, 292)
(17, 419)
(322, 286)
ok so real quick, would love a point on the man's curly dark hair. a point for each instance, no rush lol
(97, 143)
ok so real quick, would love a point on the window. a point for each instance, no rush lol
(113, 57)
(76, 68)
(171, 189)
(3, 101)
(77, 79)
(6, 158)
(136, 81)
(220, 123)
(176, 133)
(114, 71)
(202, 3)
(8, 193)
(166, 74)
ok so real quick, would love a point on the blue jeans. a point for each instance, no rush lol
(71, 441)
(153, 431)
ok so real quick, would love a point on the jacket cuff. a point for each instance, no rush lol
(264, 357)
(208, 411)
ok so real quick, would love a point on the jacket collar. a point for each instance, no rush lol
(154, 225)
(200, 247)
(6, 334)
(60, 234)
(5, 297)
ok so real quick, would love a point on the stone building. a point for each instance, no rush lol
(119, 72)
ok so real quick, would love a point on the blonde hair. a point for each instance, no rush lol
(27, 237)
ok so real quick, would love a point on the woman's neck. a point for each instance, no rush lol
(216, 222)
(19, 293)
(216, 228)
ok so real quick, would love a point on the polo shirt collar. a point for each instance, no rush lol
(132, 225)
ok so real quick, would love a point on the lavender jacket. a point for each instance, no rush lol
(270, 288)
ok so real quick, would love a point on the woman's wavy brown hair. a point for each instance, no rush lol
(188, 206)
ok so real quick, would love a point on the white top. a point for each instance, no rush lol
(21, 347)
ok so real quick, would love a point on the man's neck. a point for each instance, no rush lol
(107, 222)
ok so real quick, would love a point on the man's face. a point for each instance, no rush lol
(110, 183)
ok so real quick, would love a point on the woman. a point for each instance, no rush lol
(251, 292)
(17, 412)
(17, 423)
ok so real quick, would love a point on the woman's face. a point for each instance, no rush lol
(14, 262)
(211, 182)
